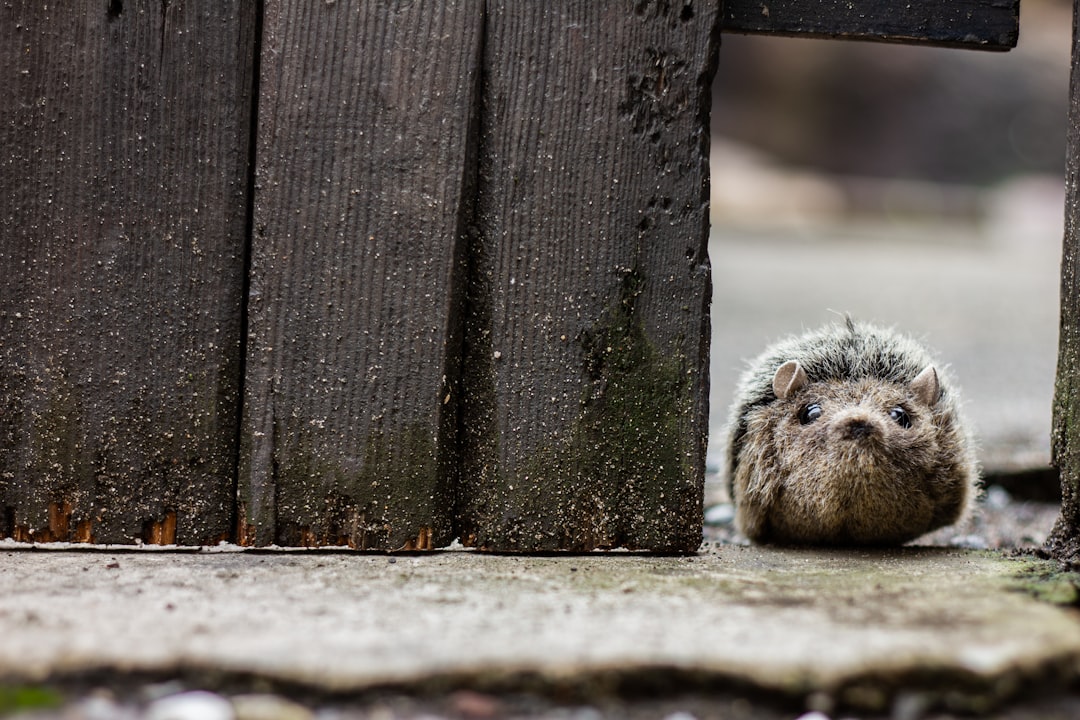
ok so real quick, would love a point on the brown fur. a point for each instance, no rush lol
(854, 475)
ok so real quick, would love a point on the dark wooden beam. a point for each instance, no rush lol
(124, 180)
(362, 174)
(586, 340)
(972, 24)
(1064, 540)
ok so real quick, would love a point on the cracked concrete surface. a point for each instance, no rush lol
(857, 626)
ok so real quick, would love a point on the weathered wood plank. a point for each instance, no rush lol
(585, 372)
(125, 135)
(1064, 540)
(362, 176)
(973, 24)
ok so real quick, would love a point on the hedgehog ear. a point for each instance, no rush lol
(926, 386)
(789, 378)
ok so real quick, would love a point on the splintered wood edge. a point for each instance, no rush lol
(983, 25)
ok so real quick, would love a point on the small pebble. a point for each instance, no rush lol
(997, 497)
(821, 702)
(195, 705)
(475, 705)
(268, 707)
(971, 542)
(911, 706)
(722, 514)
(586, 713)
(101, 706)
(158, 691)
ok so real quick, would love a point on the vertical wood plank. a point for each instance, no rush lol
(362, 177)
(585, 376)
(125, 131)
(1064, 540)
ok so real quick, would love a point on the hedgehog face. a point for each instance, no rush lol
(849, 462)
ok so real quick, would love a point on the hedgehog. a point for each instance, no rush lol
(849, 435)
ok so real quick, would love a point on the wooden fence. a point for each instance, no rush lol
(377, 274)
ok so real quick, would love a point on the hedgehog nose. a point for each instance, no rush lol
(858, 429)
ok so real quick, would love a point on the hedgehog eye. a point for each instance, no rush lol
(809, 413)
(900, 415)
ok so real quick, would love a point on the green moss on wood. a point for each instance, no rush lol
(1064, 540)
(116, 456)
(390, 495)
(623, 476)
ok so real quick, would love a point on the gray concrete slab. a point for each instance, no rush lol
(859, 627)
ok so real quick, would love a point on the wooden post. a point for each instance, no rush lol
(586, 366)
(363, 179)
(1064, 540)
(125, 135)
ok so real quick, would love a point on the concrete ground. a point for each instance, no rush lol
(895, 633)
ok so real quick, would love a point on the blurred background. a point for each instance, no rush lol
(921, 188)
